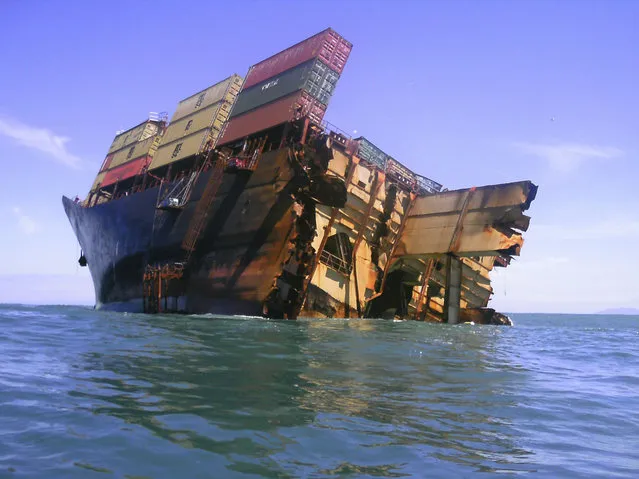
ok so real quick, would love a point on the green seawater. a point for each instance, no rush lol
(86, 394)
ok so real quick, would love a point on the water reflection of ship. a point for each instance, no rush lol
(231, 375)
(446, 393)
(355, 387)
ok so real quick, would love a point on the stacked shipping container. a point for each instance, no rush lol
(273, 114)
(313, 77)
(367, 151)
(130, 152)
(294, 83)
(327, 45)
(197, 122)
(298, 81)
(370, 153)
(138, 133)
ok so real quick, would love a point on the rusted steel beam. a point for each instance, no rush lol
(427, 274)
(378, 182)
(304, 131)
(394, 246)
(327, 231)
(454, 240)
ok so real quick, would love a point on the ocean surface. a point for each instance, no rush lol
(86, 394)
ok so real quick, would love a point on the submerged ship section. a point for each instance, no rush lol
(247, 202)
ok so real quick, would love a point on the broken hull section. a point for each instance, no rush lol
(410, 252)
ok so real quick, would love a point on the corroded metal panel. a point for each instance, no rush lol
(493, 214)
(520, 193)
(339, 163)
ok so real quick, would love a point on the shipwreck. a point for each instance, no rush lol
(248, 202)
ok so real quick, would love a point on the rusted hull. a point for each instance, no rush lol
(236, 258)
(399, 245)
(269, 247)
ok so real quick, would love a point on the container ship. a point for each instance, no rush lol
(248, 203)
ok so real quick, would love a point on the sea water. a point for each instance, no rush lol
(89, 394)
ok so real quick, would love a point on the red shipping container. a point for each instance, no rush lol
(327, 45)
(126, 170)
(294, 106)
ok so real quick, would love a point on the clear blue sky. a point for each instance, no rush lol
(464, 92)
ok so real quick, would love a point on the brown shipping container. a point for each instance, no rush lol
(107, 162)
(311, 107)
(213, 116)
(133, 135)
(224, 90)
(327, 45)
(136, 150)
(313, 76)
(272, 114)
(182, 148)
(98, 180)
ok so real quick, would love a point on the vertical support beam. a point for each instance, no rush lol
(304, 131)
(413, 196)
(287, 129)
(427, 274)
(115, 189)
(452, 297)
(159, 308)
(378, 182)
(327, 233)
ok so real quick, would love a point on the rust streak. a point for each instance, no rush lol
(377, 184)
(427, 275)
(327, 231)
(394, 246)
(454, 241)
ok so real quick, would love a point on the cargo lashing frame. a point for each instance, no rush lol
(161, 282)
